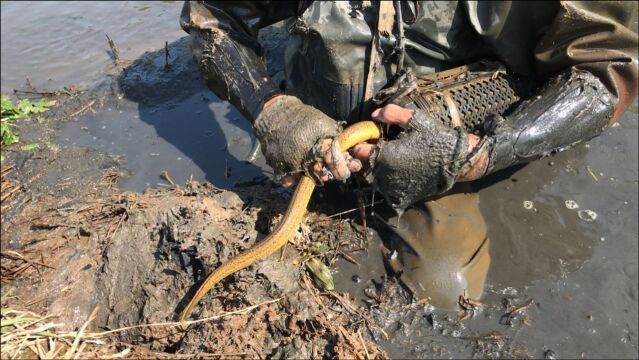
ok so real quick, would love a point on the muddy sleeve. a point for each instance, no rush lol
(225, 46)
(597, 37)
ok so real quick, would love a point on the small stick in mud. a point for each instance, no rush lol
(84, 108)
(227, 170)
(362, 214)
(361, 339)
(165, 175)
(513, 311)
(166, 55)
(592, 174)
(13, 190)
(84, 326)
(115, 54)
(351, 210)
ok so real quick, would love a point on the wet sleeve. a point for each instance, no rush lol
(225, 46)
(598, 37)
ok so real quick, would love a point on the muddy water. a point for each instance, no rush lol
(580, 272)
(57, 44)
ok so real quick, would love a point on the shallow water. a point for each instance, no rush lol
(583, 275)
(56, 44)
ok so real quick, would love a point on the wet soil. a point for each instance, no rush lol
(561, 284)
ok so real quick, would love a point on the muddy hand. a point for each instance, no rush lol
(396, 115)
(336, 164)
(390, 114)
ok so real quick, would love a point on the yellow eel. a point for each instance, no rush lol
(351, 136)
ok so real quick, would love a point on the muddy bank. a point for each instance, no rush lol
(141, 256)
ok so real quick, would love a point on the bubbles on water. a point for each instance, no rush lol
(528, 205)
(428, 308)
(587, 215)
(571, 204)
(509, 291)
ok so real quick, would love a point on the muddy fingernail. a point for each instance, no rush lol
(354, 165)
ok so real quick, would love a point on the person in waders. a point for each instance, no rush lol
(463, 88)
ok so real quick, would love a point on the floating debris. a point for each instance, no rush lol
(550, 355)
(528, 204)
(587, 215)
(356, 279)
(571, 204)
(592, 173)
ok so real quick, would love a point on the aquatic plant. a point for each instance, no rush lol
(21, 110)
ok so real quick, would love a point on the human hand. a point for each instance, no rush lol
(426, 159)
(290, 132)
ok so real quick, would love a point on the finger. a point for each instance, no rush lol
(354, 165)
(394, 115)
(336, 162)
(363, 151)
(318, 171)
(289, 180)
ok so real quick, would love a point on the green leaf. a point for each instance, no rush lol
(318, 248)
(8, 136)
(321, 273)
(19, 110)
(30, 147)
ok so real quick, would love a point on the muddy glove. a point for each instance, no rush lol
(426, 159)
(572, 107)
(293, 135)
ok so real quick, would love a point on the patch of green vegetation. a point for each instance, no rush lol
(20, 110)
(29, 147)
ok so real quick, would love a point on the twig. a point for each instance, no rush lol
(165, 175)
(166, 54)
(10, 192)
(43, 93)
(349, 258)
(283, 251)
(592, 174)
(76, 341)
(17, 256)
(83, 109)
(114, 50)
(178, 324)
(352, 310)
(362, 214)
(352, 210)
(6, 170)
(226, 168)
(368, 356)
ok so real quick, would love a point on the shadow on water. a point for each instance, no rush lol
(172, 98)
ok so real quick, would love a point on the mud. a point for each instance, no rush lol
(558, 285)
